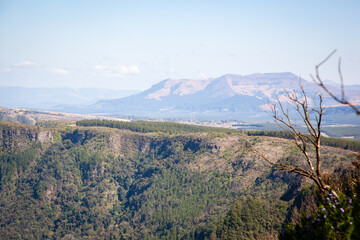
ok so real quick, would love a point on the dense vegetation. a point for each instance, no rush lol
(102, 183)
(152, 126)
(331, 142)
(251, 219)
(334, 217)
(177, 128)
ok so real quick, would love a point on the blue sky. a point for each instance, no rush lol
(135, 44)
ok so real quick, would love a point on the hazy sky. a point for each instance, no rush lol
(133, 44)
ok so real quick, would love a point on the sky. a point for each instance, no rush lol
(134, 44)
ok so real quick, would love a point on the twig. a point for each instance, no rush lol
(303, 141)
(320, 82)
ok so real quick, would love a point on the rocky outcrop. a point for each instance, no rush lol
(44, 136)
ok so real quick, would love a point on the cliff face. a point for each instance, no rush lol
(44, 137)
(16, 137)
(101, 183)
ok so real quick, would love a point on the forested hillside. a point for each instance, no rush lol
(95, 182)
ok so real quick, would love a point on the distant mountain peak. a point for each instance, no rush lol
(228, 85)
(176, 87)
(225, 85)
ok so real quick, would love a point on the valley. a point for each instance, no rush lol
(144, 181)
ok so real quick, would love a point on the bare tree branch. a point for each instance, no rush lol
(311, 116)
(341, 81)
(320, 82)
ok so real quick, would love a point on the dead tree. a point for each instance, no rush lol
(311, 112)
(341, 100)
(317, 79)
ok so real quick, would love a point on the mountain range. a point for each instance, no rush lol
(241, 97)
(237, 97)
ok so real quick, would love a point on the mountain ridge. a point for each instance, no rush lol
(241, 97)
